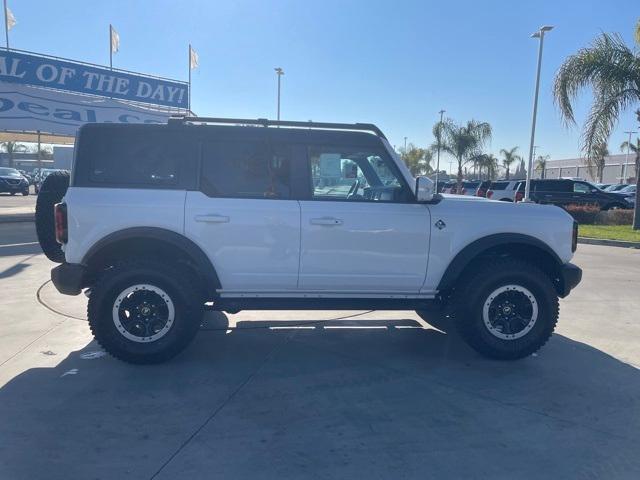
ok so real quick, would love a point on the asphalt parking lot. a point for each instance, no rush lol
(10, 204)
(378, 395)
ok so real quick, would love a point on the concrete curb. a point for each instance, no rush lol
(17, 217)
(608, 243)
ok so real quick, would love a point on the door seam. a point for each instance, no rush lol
(299, 243)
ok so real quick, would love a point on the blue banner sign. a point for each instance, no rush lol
(29, 69)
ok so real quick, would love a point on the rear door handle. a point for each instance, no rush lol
(212, 218)
(326, 221)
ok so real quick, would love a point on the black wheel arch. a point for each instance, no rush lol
(513, 245)
(151, 242)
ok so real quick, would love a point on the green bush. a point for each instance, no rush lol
(583, 214)
(615, 217)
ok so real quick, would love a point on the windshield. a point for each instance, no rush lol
(9, 172)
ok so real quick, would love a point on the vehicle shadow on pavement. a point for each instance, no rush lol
(381, 398)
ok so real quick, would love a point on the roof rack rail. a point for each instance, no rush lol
(365, 127)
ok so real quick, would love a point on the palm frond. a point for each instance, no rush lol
(607, 64)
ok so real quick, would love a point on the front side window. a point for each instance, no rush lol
(357, 174)
(248, 169)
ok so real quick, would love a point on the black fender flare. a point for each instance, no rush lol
(171, 238)
(476, 248)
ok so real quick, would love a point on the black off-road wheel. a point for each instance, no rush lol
(506, 309)
(145, 311)
(51, 192)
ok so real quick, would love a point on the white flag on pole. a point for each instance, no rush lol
(193, 58)
(115, 40)
(11, 20)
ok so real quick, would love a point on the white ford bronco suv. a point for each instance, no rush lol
(159, 222)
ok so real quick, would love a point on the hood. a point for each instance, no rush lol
(466, 198)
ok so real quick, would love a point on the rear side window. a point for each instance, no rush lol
(135, 157)
(247, 169)
(553, 186)
(499, 185)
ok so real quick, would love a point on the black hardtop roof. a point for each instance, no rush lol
(360, 134)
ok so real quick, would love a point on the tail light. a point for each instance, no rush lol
(574, 238)
(519, 196)
(481, 192)
(489, 193)
(60, 216)
(463, 191)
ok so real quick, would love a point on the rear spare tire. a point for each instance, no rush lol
(51, 192)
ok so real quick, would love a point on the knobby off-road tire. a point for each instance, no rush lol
(144, 311)
(51, 192)
(484, 305)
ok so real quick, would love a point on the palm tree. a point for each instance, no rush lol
(487, 162)
(509, 157)
(600, 153)
(632, 148)
(418, 160)
(612, 70)
(464, 142)
(12, 147)
(541, 164)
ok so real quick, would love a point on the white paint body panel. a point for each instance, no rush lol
(470, 218)
(376, 247)
(257, 249)
(271, 247)
(94, 213)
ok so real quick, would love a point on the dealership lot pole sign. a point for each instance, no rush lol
(40, 71)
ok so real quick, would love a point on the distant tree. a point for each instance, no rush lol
(11, 148)
(488, 164)
(464, 142)
(509, 156)
(418, 160)
(635, 149)
(541, 164)
(597, 161)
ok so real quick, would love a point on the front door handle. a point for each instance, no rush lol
(212, 218)
(326, 221)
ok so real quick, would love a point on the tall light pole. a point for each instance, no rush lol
(626, 158)
(441, 112)
(539, 35)
(405, 145)
(279, 73)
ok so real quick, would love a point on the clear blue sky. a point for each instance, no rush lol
(393, 63)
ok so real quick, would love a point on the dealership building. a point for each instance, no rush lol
(618, 169)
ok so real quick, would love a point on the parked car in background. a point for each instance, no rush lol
(629, 195)
(603, 186)
(12, 181)
(445, 187)
(28, 176)
(483, 188)
(572, 192)
(615, 187)
(503, 190)
(469, 187)
(42, 174)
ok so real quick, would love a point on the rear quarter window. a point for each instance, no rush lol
(499, 185)
(136, 157)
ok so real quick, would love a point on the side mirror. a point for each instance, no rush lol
(425, 189)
